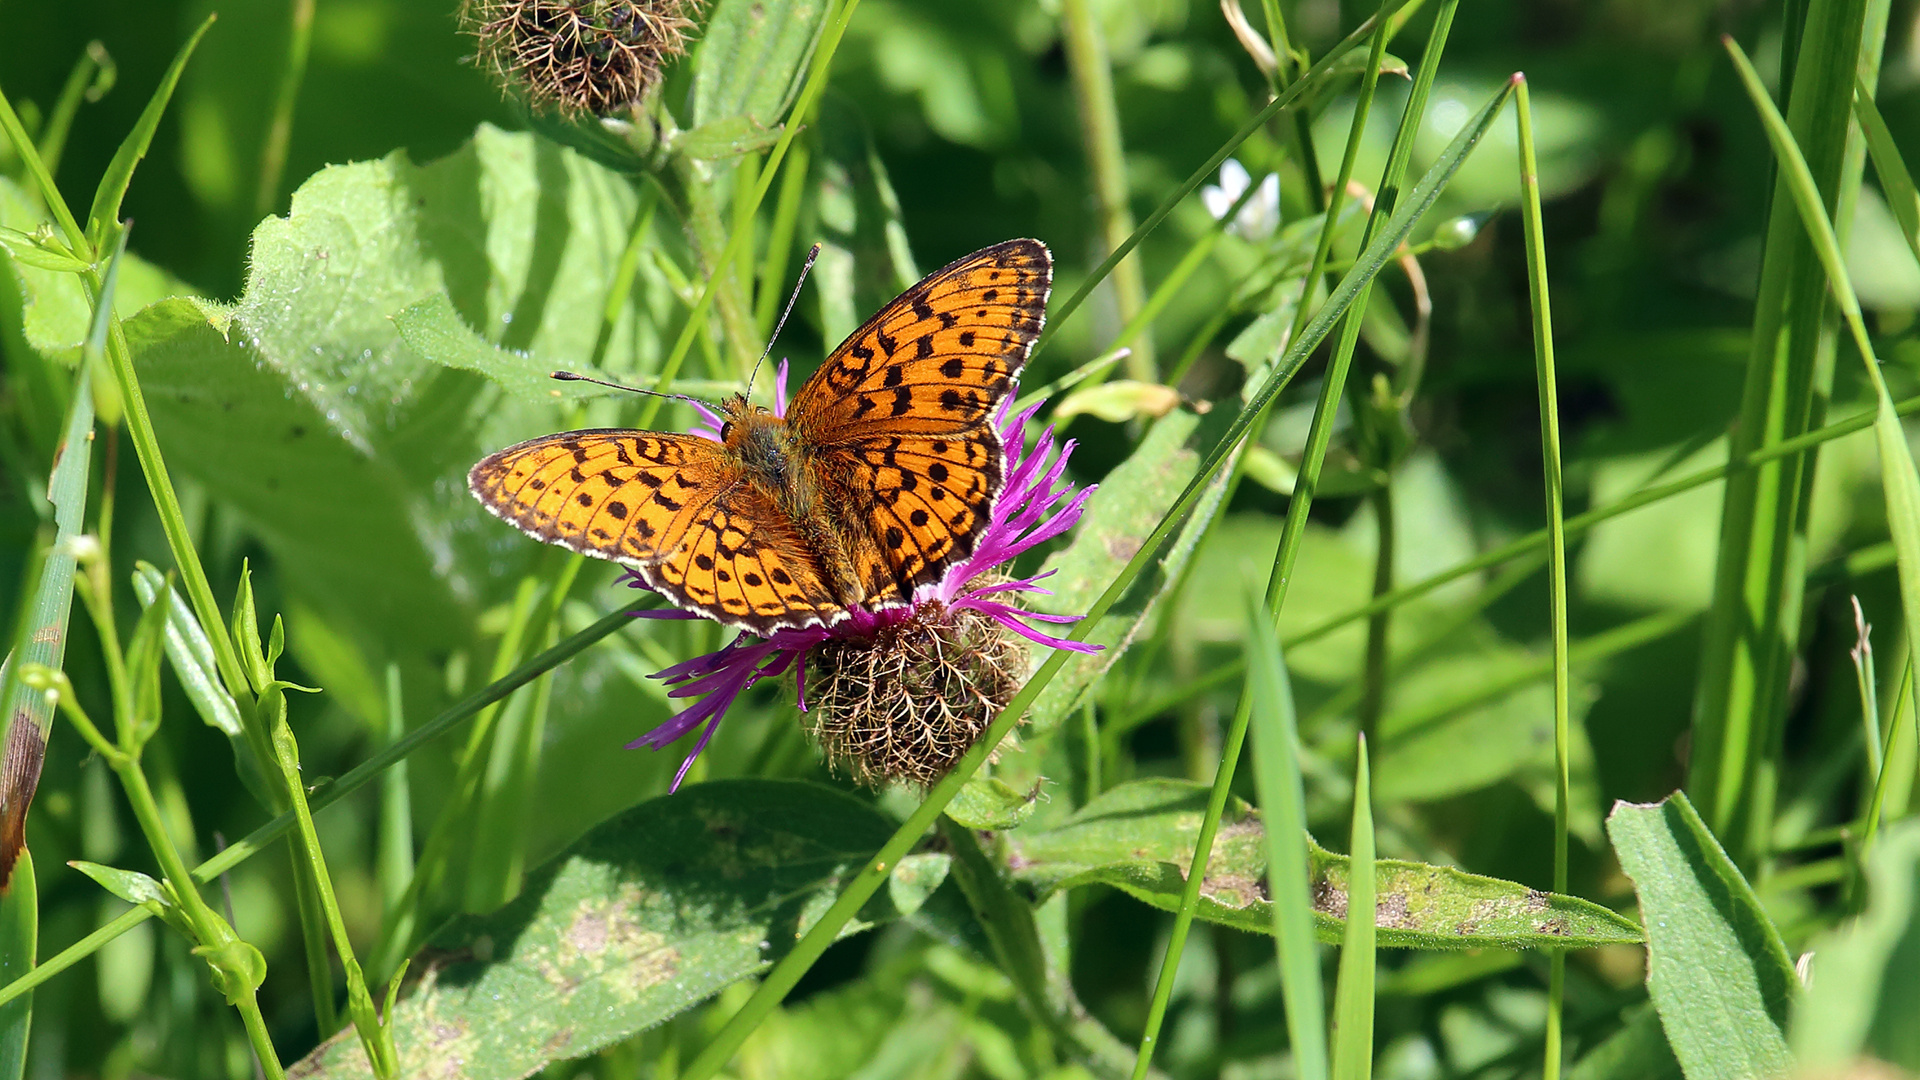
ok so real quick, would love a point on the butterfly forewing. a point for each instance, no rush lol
(674, 507)
(939, 358)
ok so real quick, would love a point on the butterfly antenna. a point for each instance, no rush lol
(812, 254)
(568, 376)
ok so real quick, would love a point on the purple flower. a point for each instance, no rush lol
(1034, 505)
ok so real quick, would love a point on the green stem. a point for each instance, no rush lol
(646, 202)
(1556, 547)
(1092, 76)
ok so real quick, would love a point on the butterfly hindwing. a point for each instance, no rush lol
(939, 358)
(744, 564)
(929, 497)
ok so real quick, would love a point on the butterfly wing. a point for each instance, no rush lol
(676, 508)
(936, 360)
(900, 418)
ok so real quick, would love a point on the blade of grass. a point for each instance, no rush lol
(1899, 478)
(105, 213)
(1556, 547)
(1353, 996)
(786, 973)
(29, 715)
(92, 76)
(1896, 183)
(395, 857)
(19, 938)
(1276, 771)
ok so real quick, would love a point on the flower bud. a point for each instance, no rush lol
(597, 57)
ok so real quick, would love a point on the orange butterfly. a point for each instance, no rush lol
(883, 470)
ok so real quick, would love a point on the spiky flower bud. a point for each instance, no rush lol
(905, 703)
(596, 57)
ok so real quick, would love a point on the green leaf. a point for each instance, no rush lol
(646, 915)
(1118, 401)
(1865, 989)
(105, 214)
(1895, 181)
(145, 650)
(1716, 967)
(1276, 766)
(750, 59)
(130, 885)
(1138, 837)
(988, 803)
(19, 940)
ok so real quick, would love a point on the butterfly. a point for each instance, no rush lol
(881, 474)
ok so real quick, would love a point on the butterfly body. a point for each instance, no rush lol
(880, 475)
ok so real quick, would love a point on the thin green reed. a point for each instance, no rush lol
(1092, 76)
(1556, 545)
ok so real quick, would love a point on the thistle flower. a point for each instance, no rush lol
(903, 690)
(587, 56)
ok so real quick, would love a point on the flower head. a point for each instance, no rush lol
(905, 688)
(1259, 216)
(579, 56)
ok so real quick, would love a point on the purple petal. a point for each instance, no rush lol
(780, 390)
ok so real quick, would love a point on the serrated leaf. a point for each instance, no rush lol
(1139, 837)
(646, 915)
